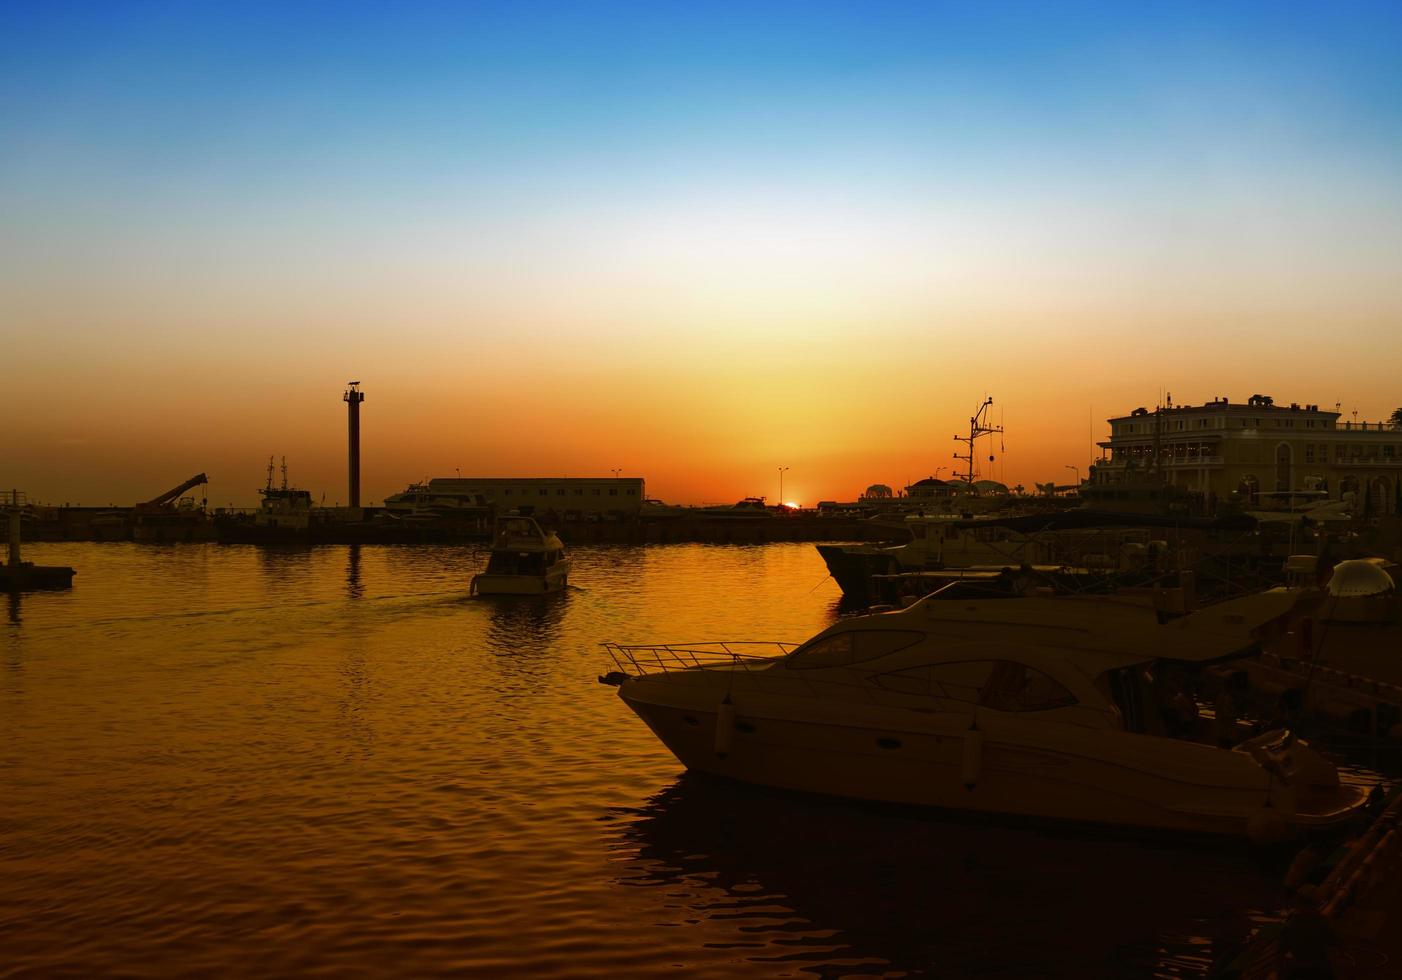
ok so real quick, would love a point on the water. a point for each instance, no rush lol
(331, 761)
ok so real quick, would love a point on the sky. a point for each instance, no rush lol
(696, 242)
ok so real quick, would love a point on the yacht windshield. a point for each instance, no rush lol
(852, 647)
(516, 563)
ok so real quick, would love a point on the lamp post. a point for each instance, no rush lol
(616, 472)
(781, 485)
(1077, 471)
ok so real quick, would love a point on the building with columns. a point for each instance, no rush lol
(1248, 448)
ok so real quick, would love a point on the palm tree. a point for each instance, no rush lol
(1396, 420)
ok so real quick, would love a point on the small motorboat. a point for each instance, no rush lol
(525, 560)
(1064, 708)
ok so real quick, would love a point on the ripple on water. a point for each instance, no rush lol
(330, 761)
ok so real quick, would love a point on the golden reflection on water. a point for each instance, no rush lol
(233, 759)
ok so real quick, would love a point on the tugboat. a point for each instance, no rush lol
(525, 560)
(283, 517)
(24, 576)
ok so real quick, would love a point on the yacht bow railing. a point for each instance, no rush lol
(659, 658)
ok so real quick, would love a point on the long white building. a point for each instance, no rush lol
(566, 496)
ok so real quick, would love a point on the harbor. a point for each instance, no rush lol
(770, 492)
(445, 780)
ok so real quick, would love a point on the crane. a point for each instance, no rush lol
(163, 500)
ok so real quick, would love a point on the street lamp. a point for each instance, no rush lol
(781, 485)
(616, 472)
(1077, 470)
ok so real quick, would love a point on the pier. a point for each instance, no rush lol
(1354, 893)
(17, 575)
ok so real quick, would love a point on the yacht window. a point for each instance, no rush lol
(613, 493)
(1017, 687)
(916, 680)
(853, 647)
(960, 681)
(831, 651)
(1127, 690)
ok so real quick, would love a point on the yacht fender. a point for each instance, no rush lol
(725, 727)
(972, 765)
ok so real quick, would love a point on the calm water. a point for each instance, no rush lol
(330, 761)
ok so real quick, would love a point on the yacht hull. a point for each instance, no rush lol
(486, 584)
(1099, 777)
(852, 567)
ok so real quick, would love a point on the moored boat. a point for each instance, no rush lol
(1056, 708)
(747, 509)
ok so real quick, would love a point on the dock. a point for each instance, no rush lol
(1357, 893)
(17, 575)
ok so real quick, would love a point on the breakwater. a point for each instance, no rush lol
(375, 525)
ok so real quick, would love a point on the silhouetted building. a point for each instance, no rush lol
(1257, 446)
(618, 497)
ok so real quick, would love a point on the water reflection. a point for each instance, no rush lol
(357, 731)
(354, 588)
(831, 884)
(13, 606)
(525, 627)
(280, 561)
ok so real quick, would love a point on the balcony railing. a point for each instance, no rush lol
(1144, 463)
(1347, 461)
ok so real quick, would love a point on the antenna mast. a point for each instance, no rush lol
(1156, 465)
(978, 426)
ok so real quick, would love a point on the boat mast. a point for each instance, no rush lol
(1156, 473)
(978, 426)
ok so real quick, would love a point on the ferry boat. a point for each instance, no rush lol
(750, 507)
(525, 560)
(1046, 708)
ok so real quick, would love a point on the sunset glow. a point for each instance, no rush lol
(694, 243)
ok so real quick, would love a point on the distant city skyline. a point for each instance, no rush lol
(697, 243)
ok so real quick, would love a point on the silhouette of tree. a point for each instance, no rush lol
(1396, 420)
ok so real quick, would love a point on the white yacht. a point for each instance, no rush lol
(749, 508)
(525, 560)
(937, 541)
(1040, 707)
(1344, 661)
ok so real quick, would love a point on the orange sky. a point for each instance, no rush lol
(697, 252)
(701, 417)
